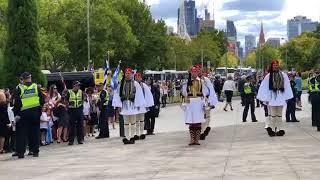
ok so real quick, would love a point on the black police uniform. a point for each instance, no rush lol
(28, 126)
(314, 91)
(291, 104)
(248, 99)
(76, 121)
(103, 122)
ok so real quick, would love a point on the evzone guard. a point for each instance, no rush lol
(211, 101)
(148, 97)
(195, 93)
(129, 98)
(274, 91)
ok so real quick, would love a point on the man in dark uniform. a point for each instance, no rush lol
(248, 99)
(103, 121)
(74, 100)
(28, 100)
(291, 103)
(153, 112)
(314, 91)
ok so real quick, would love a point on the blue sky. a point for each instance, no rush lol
(247, 14)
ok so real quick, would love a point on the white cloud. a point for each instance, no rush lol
(249, 22)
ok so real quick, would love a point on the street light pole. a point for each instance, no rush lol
(88, 32)
(202, 57)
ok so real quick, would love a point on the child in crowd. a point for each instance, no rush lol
(44, 123)
(87, 118)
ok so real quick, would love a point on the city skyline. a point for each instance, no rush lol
(247, 14)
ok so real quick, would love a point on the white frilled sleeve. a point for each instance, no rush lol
(148, 96)
(287, 94)
(213, 100)
(116, 101)
(139, 100)
(264, 92)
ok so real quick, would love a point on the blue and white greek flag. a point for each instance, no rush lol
(106, 74)
(114, 81)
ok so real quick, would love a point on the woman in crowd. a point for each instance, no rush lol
(4, 120)
(110, 113)
(54, 95)
(153, 112)
(87, 118)
(228, 88)
(164, 94)
(63, 121)
(298, 81)
(92, 99)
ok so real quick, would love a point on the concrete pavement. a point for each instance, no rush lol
(233, 151)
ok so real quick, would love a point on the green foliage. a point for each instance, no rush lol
(22, 48)
(229, 60)
(251, 60)
(264, 55)
(301, 52)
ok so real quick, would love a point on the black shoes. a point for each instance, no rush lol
(80, 142)
(295, 121)
(30, 153)
(280, 133)
(35, 155)
(21, 156)
(271, 133)
(254, 121)
(318, 129)
(136, 137)
(15, 154)
(126, 141)
(142, 137)
(70, 143)
(202, 137)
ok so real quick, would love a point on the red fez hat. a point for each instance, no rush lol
(275, 61)
(128, 70)
(138, 75)
(194, 70)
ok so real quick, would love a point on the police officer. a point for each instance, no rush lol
(103, 103)
(314, 91)
(291, 103)
(74, 100)
(28, 100)
(248, 99)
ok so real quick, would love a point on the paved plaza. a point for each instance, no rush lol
(233, 151)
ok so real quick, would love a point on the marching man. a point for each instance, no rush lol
(142, 110)
(195, 105)
(211, 101)
(129, 98)
(274, 91)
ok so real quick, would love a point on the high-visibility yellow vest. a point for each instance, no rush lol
(106, 99)
(314, 87)
(29, 96)
(75, 99)
(247, 88)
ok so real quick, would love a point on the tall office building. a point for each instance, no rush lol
(231, 31)
(250, 43)
(299, 25)
(273, 42)
(206, 14)
(190, 17)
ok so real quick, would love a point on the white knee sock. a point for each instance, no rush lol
(141, 127)
(126, 130)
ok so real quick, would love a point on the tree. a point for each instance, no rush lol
(297, 52)
(229, 60)
(251, 59)
(178, 54)
(151, 35)
(264, 56)
(205, 45)
(22, 48)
